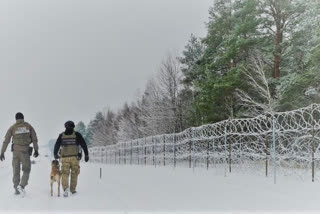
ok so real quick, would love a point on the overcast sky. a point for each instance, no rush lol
(67, 59)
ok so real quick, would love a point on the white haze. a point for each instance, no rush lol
(68, 59)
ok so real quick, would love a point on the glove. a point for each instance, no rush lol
(36, 154)
(2, 158)
(86, 158)
(56, 156)
(79, 156)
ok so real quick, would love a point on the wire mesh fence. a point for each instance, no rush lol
(279, 143)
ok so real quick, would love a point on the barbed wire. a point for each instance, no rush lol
(291, 145)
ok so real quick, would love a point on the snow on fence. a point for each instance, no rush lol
(284, 142)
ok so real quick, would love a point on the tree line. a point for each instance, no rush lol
(257, 56)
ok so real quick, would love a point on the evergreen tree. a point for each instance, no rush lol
(190, 60)
(81, 128)
(258, 56)
(280, 20)
(304, 88)
(232, 35)
(93, 126)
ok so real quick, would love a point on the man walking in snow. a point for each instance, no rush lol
(70, 142)
(22, 134)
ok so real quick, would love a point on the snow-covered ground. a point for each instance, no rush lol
(138, 189)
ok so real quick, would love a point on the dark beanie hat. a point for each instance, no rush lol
(19, 116)
(69, 125)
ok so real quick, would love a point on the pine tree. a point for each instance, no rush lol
(93, 126)
(190, 60)
(305, 87)
(279, 21)
(232, 35)
(81, 128)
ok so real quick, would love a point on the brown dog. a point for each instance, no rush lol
(55, 175)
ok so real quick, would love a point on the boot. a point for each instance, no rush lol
(16, 192)
(21, 191)
(66, 193)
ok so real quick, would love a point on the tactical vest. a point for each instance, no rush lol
(69, 145)
(21, 134)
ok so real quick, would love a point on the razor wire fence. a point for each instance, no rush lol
(278, 143)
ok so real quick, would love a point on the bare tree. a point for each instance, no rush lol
(159, 110)
(106, 130)
(170, 76)
(131, 125)
(259, 99)
(161, 103)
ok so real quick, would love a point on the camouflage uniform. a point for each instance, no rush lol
(70, 161)
(22, 134)
(70, 143)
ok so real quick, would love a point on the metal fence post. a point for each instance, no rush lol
(145, 151)
(155, 152)
(164, 150)
(193, 149)
(131, 153)
(267, 154)
(138, 152)
(153, 159)
(190, 153)
(229, 149)
(208, 149)
(313, 144)
(174, 151)
(274, 149)
(125, 153)
(225, 148)
(119, 148)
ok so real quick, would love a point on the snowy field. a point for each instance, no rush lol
(137, 189)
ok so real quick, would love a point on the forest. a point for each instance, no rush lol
(258, 56)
